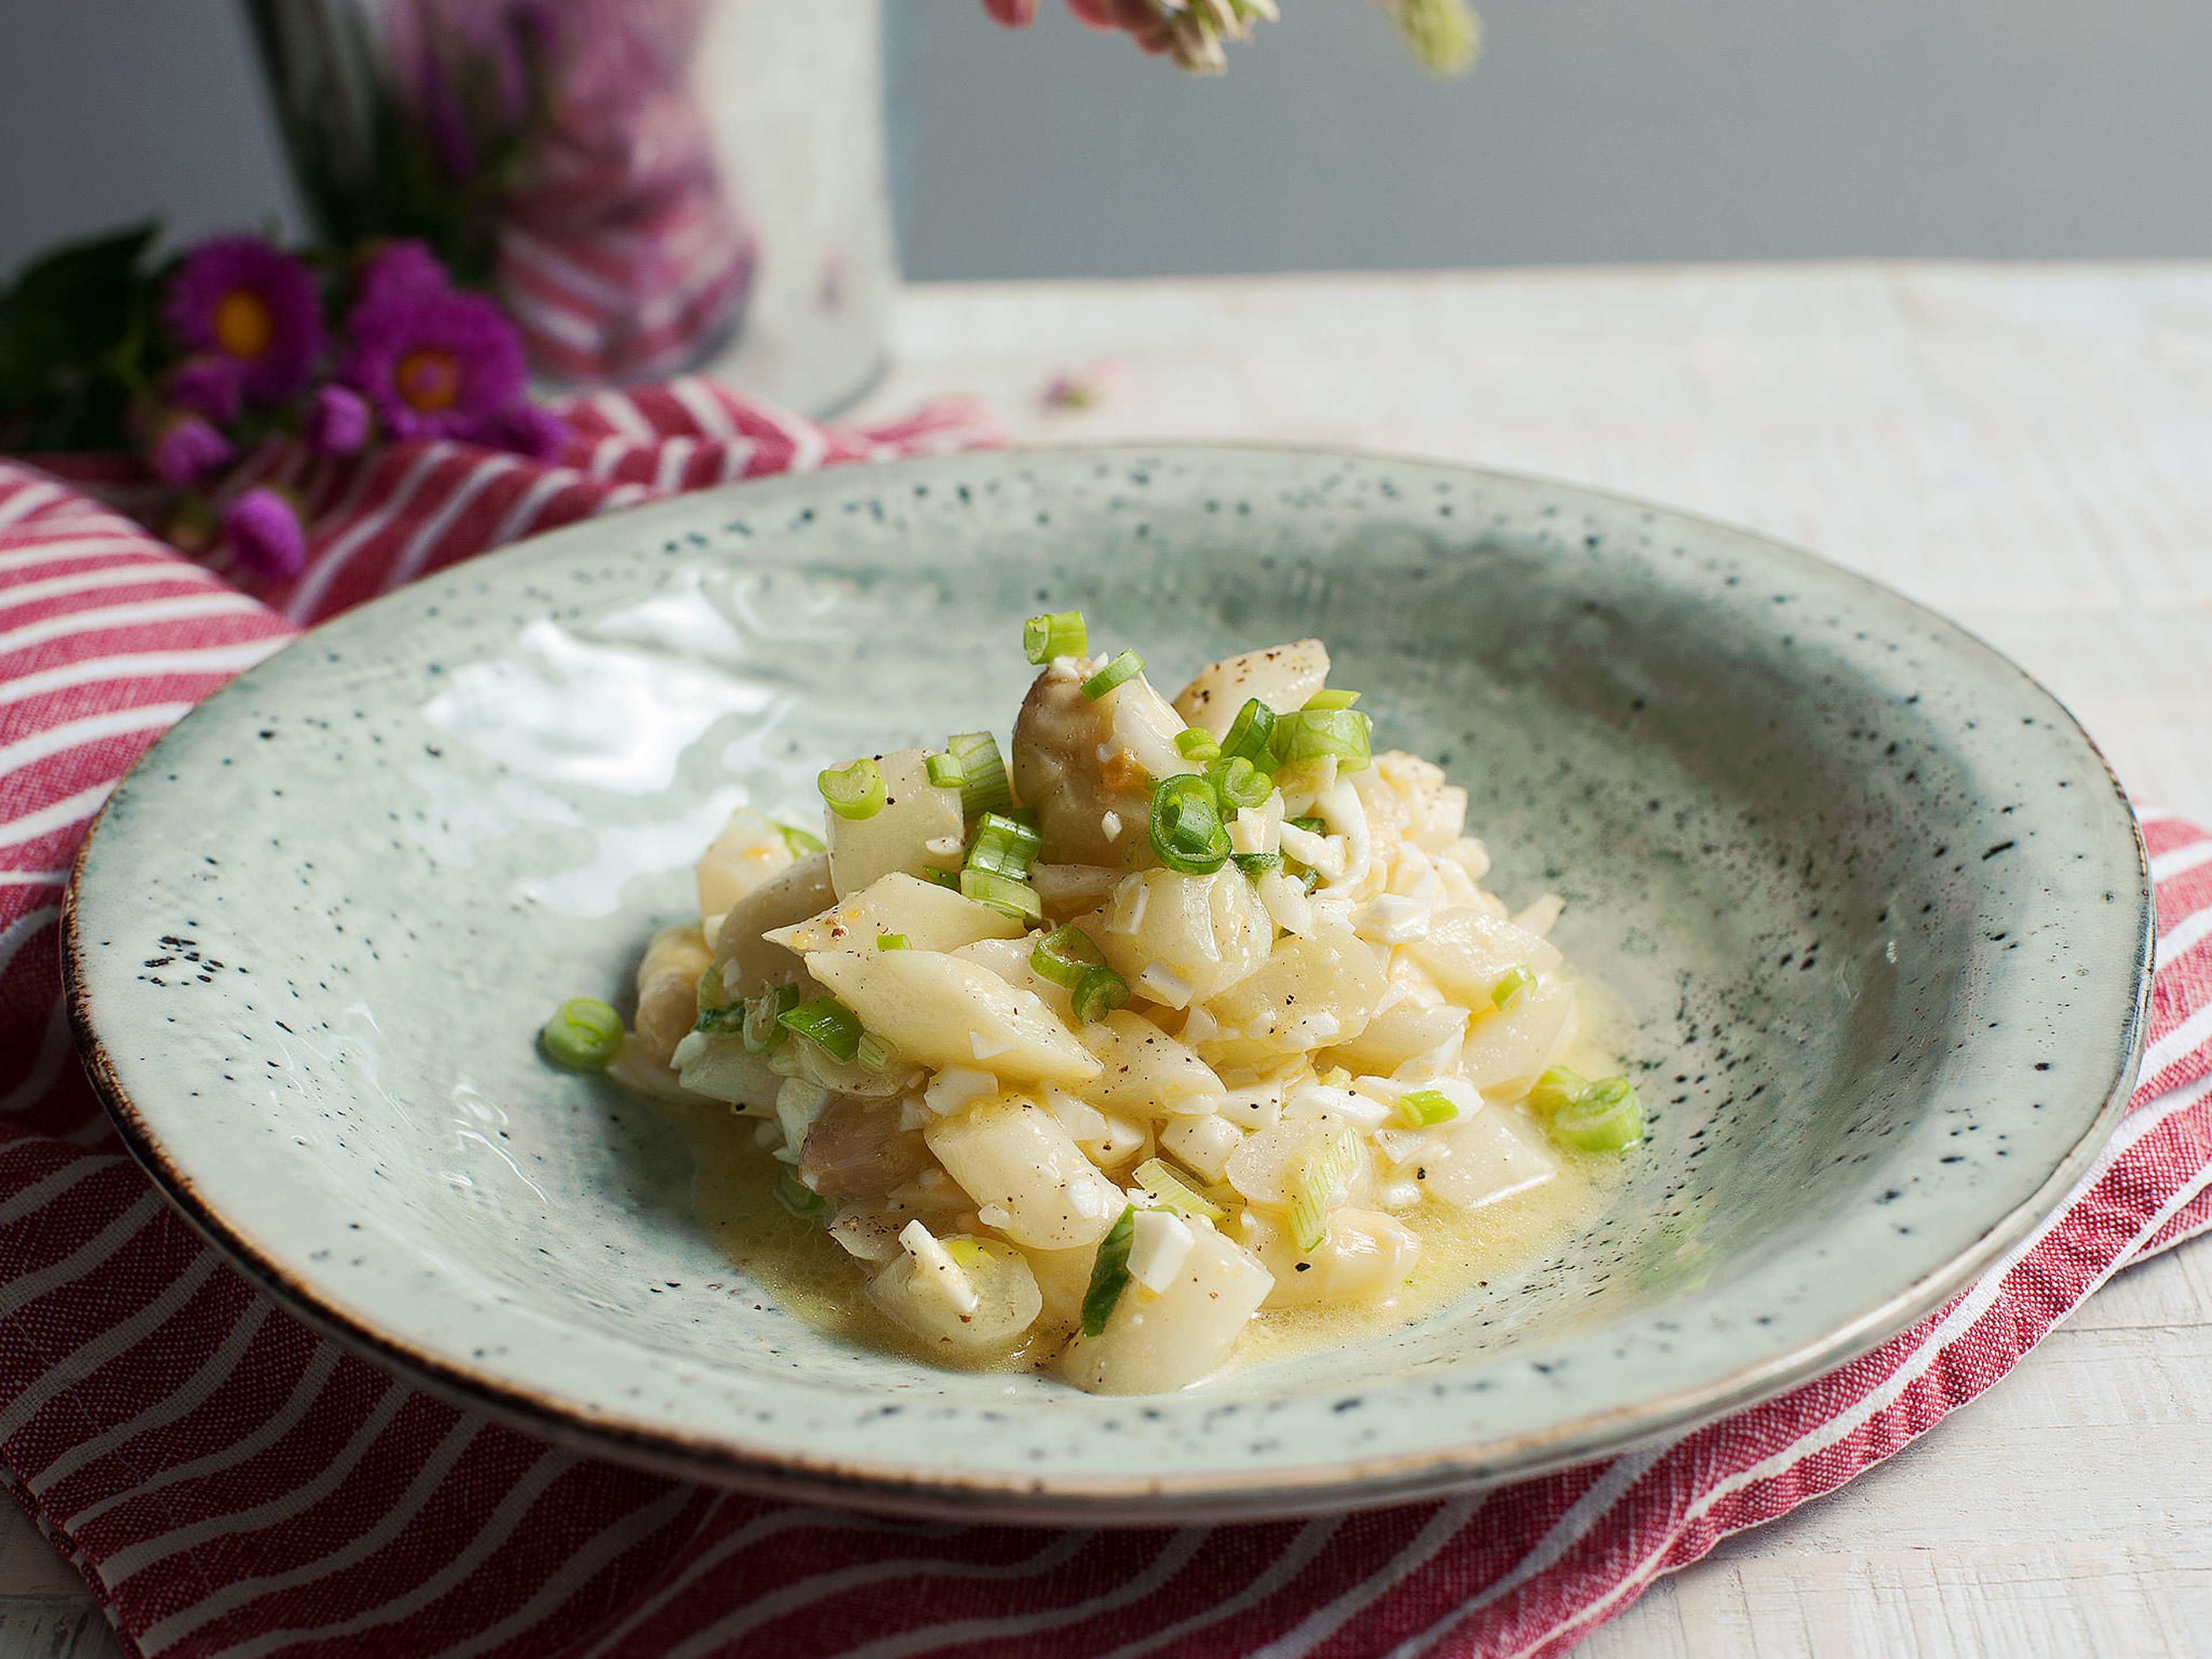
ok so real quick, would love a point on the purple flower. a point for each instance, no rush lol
(340, 421)
(395, 269)
(239, 297)
(434, 365)
(208, 386)
(265, 530)
(526, 429)
(185, 449)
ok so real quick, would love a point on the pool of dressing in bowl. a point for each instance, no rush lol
(798, 1267)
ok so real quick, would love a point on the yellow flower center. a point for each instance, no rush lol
(243, 325)
(429, 380)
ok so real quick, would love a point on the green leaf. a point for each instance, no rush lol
(72, 335)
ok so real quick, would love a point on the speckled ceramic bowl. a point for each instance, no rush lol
(1880, 913)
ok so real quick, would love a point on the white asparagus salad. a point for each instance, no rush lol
(1193, 1032)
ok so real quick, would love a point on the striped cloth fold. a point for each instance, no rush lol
(229, 1484)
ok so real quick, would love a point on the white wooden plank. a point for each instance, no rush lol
(68, 1629)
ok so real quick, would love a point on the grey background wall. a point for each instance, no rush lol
(1593, 130)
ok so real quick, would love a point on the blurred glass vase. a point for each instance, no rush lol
(647, 185)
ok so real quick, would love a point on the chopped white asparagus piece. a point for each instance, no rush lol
(1283, 676)
(897, 836)
(1082, 1121)
(1340, 809)
(1322, 1100)
(1481, 1161)
(1153, 1344)
(1394, 918)
(1006, 1296)
(1204, 1143)
(1143, 1071)
(1540, 917)
(932, 1008)
(945, 1276)
(1130, 900)
(954, 1087)
(1288, 907)
(1162, 984)
(1008, 1151)
(867, 1233)
(1255, 1106)
(748, 853)
(1364, 1256)
(798, 1103)
(932, 918)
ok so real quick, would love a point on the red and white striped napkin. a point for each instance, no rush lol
(231, 1484)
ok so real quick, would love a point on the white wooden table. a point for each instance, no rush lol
(2028, 449)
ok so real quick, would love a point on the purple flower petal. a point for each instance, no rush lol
(238, 297)
(186, 449)
(265, 531)
(395, 269)
(434, 365)
(340, 421)
(526, 429)
(208, 384)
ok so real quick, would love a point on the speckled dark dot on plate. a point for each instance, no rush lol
(1877, 906)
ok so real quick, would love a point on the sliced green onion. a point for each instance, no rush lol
(826, 1022)
(893, 942)
(1238, 782)
(875, 1054)
(1187, 832)
(1126, 666)
(984, 787)
(856, 792)
(1512, 989)
(584, 1035)
(1558, 1088)
(796, 1196)
(1004, 845)
(1322, 701)
(1109, 1272)
(764, 1029)
(1310, 825)
(1309, 879)
(710, 989)
(1256, 865)
(1194, 744)
(1098, 994)
(1008, 893)
(1251, 733)
(951, 879)
(1609, 1118)
(1419, 1107)
(726, 1019)
(1174, 1193)
(1064, 955)
(1313, 733)
(1060, 634)
(1317, 1183)
(945, 772)
(801, 842)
